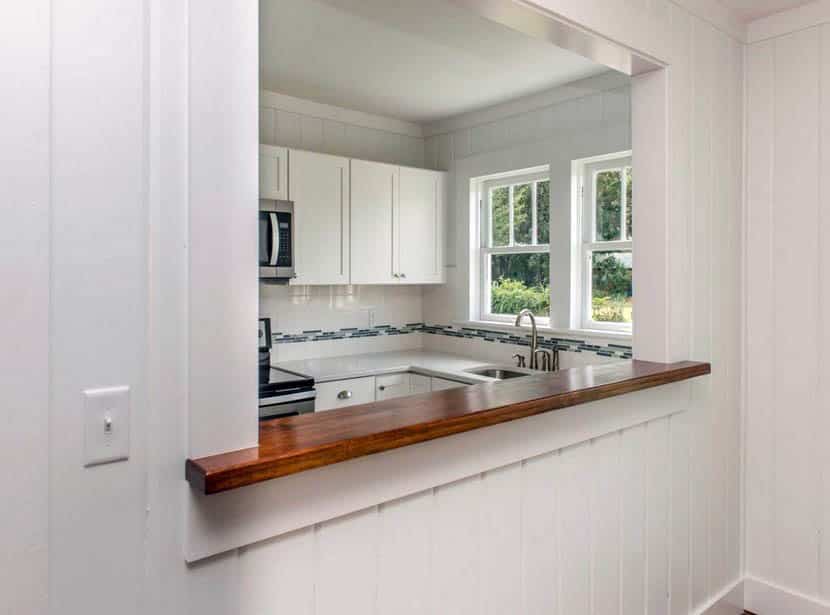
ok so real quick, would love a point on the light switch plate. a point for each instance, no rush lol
(106, 425)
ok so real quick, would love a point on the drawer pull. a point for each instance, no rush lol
(344, 395)
(381, 388)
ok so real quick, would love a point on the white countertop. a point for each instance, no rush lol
(422, 362)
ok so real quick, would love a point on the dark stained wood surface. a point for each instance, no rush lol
(299, 443)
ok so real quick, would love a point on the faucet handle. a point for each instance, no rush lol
(547, 359)
(520, 360)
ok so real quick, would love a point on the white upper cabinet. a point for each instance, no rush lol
(375, 198)
(397, 224)
(420, 223)
(319, 188)
(273, 172)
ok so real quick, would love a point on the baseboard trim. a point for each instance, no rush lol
(729, 601)
(768, 599)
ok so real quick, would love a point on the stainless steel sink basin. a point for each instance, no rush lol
(499, 373)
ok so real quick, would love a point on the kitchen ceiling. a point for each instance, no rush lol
(418, 61)
(747, 10)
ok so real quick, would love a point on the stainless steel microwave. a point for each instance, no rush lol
(276, 240)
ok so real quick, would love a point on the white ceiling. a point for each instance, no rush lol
(418, 60)
(747, 10)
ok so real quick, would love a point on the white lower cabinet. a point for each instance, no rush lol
(342, 393)
(392, 385)
(441, 384)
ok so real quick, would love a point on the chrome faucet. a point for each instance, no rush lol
(534, 336)
(550, 359)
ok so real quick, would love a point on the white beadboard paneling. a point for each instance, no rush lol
(657, 515)
(346, 560)
(605, 518)
(455, 584)
(824, 327)
(795, 302)
(760, 320)
(277, 576)
(574, 530)
(501, 540)
(405, 555)
(632, 520)
(679, 567)
(540, 540)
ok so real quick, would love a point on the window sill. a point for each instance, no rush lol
(613, 336)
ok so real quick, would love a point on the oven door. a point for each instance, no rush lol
(276, 240)
(279, 406)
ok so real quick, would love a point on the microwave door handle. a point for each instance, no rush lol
(275, 240)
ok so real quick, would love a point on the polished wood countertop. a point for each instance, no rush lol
(294, 444)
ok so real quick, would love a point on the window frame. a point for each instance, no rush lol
(585, 172)
(485, 248)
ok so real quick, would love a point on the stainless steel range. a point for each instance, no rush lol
(281, 392)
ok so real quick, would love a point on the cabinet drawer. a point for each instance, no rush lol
(390, 386)
(342, 393)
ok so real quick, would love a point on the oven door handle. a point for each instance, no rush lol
(275, 239)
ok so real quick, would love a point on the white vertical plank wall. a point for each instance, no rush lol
(536, 537)
(788, 281)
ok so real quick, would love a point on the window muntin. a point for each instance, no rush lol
(607, 244)
(515, 253)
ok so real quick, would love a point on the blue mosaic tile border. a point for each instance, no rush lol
(620, 351)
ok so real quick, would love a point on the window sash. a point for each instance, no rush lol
(590, 243)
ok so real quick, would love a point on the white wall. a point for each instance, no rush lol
(788, 286)
(24, 306)
(119, 157)
(586, 118)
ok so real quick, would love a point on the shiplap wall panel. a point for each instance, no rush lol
(657, 516)
(788, 281)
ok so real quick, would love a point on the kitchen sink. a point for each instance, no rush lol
(499, 373)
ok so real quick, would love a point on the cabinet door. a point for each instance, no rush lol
(319, 187)
(374, 211)
(441, 384)
(342, 393)
(420, 235)
(391, 386)
(273, 172)
(419, 384)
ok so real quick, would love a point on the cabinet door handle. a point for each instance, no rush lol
(382, 388)
(344, 395)
(395, 275)
(403, 275)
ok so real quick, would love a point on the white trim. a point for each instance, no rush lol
(581, 88)
(717, 15)
(292, 104)
(614, 337)
(769, 599)
(226, 521)
(729, 601)
(780, 24)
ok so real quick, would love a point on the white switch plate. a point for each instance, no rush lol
(106, 425)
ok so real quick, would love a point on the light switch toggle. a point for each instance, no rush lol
(107, 425)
